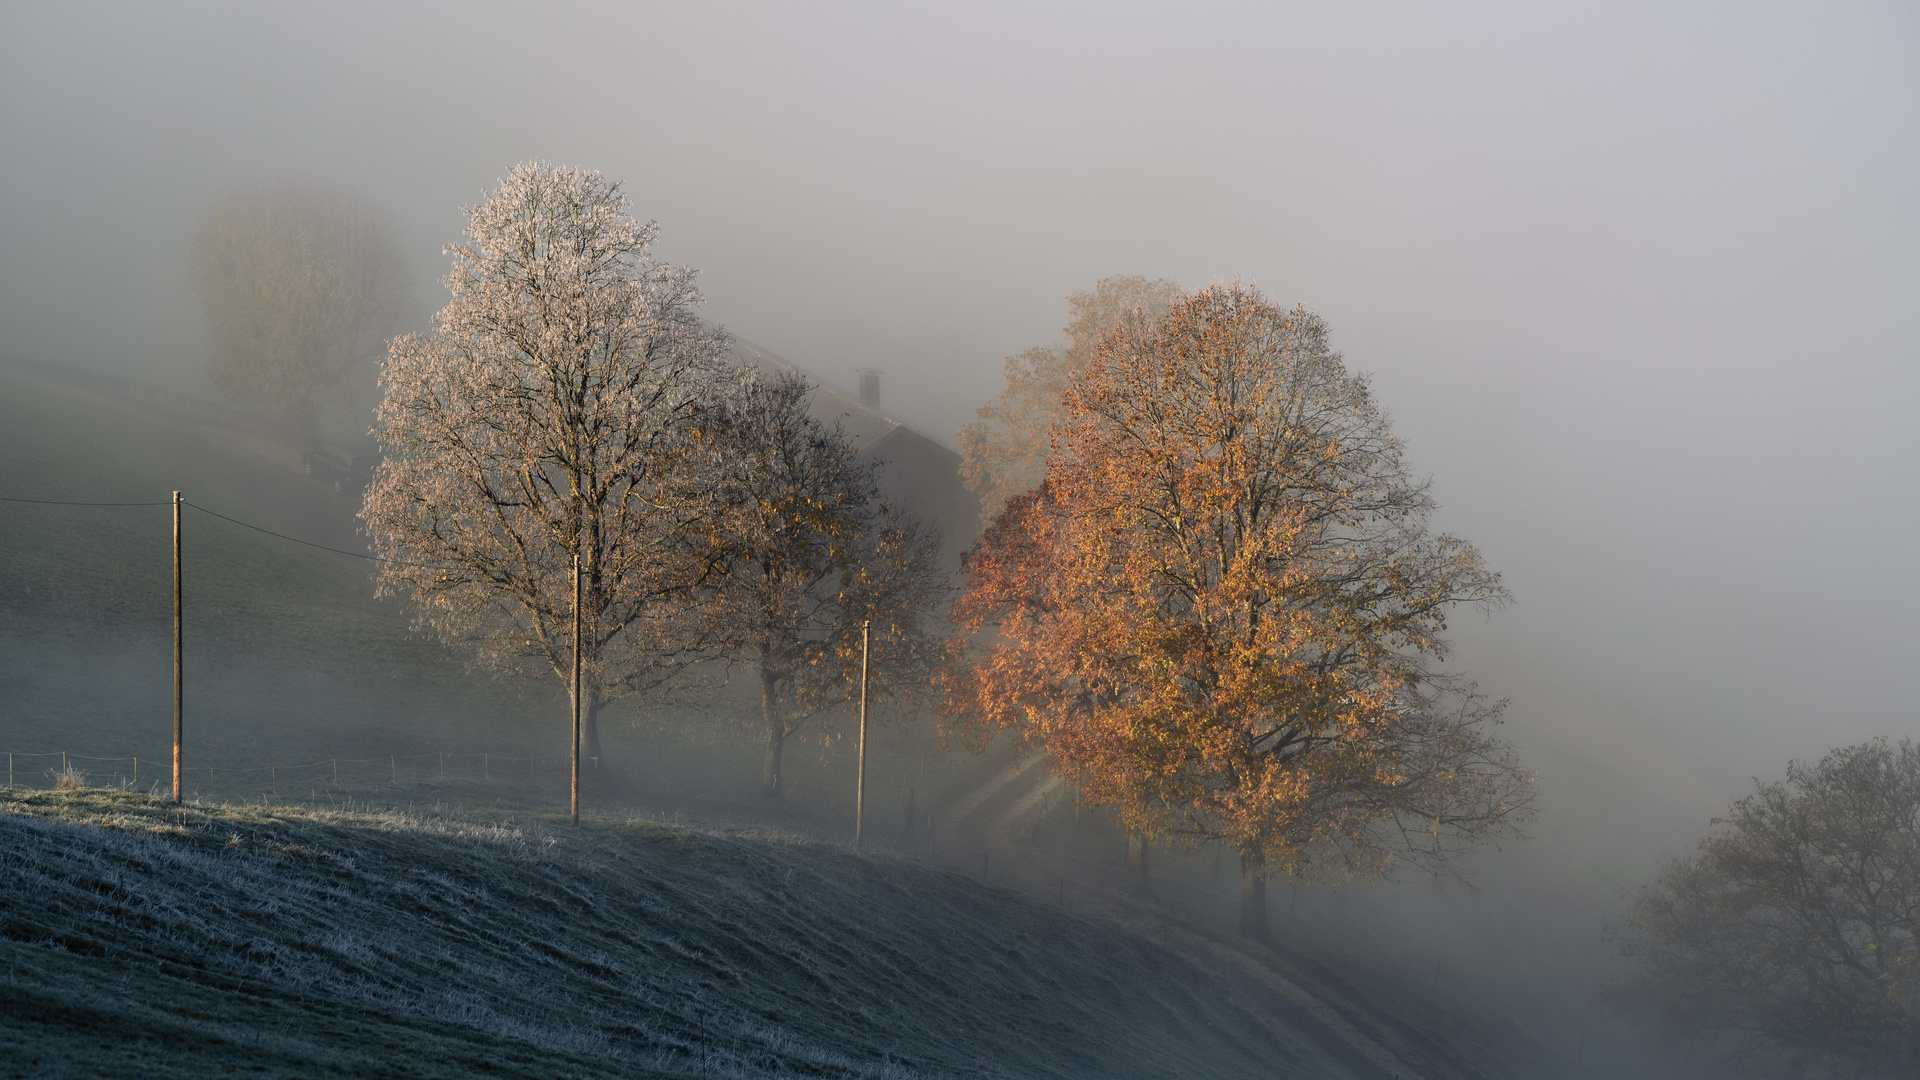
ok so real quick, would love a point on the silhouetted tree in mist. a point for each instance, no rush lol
(300, 285)
(1004, 451)
(1796, 928)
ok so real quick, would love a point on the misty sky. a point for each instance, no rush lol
(1638, 281)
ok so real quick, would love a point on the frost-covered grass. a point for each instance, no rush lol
(277, 941)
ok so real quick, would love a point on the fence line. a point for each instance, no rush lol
(180, 772)
(442, 759)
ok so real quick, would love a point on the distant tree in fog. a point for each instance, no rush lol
(812, 552)
(300, 285)
(1796, 928)
(1222, 613)
(1004, 451)
(556, 410)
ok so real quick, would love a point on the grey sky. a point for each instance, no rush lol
(1637, 280)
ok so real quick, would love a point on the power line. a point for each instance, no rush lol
(59, 502)
(223, 517)
(295, 539)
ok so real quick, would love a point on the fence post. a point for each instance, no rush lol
(860, 784)
(178, 628)
(576, 686)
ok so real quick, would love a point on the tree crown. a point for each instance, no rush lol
(1223, 611)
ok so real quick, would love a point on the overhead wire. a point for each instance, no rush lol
(223, 517)
(63, 502)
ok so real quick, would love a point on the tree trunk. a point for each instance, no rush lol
(590, 760)
(590, 735)
(1139, 880)
(1253, 898)
(776, 734)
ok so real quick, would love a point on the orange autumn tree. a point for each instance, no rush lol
(1222, 612)
(1003, 452)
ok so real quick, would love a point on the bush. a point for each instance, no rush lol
(69, 779)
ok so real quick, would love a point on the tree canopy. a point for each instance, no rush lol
(1004, 451)
(1223, 611)
(300, 285)
(557, 409)
(1795, 929)
(812, 553)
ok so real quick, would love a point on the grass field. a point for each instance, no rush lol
(206, 941)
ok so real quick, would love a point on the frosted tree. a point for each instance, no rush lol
(557, 409)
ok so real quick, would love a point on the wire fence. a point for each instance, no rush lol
(51, 769)
(336, 772)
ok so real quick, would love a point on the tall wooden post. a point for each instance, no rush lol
(576, 688)
(178, 628)
(860, 790)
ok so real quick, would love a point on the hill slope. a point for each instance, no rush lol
(205, 941)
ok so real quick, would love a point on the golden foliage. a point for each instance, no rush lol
(1222, 612)
(1004, 451)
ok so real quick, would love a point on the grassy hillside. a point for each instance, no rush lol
(211, 941)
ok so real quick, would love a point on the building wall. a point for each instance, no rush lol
(924, 476)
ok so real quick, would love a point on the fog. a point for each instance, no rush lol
(1636, 282)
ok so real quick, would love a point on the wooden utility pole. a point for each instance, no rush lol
(576, 688)
(178, 627)
(860, 791)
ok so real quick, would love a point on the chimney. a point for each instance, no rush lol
(870, 387)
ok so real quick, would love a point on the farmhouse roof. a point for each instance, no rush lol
(866, 425)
